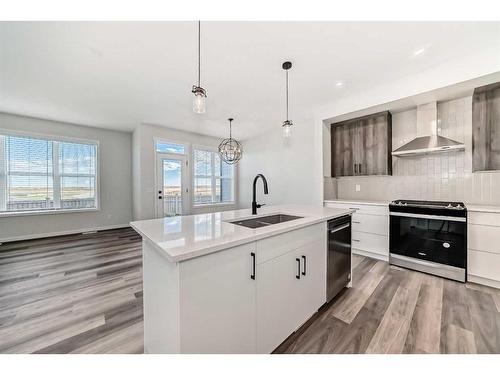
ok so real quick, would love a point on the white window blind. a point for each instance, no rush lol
(213, 179)
(43, 174)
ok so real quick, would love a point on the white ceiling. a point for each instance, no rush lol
(119, 74)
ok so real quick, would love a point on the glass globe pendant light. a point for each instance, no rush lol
(287, 124)
(230, 150)
(200, 95)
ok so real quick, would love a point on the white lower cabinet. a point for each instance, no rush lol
(290, 289)
(217, 302)
(213, 304)
(484, 248)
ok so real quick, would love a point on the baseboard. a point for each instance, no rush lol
(483, 281)
(61, 233)
(368, 254)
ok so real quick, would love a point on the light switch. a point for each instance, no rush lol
(358, 187)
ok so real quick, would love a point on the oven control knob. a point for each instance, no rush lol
(446, 245)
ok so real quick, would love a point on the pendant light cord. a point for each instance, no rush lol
(287, 95)
(230, 129)
(199, 53)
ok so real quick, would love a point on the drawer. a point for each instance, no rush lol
(372, 243)
(368, 209)
(370, 224)
(483, 218)
(274, 246)
(484, 238)
(486, 265)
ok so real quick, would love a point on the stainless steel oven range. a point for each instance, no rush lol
(429, 236)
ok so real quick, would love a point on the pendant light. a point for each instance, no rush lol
(287, 124)
(230, 150)
(200, 95)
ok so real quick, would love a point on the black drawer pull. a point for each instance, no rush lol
(298, 269)
(305, 261)
(252, 276)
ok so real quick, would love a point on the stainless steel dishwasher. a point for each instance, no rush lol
(339, 255)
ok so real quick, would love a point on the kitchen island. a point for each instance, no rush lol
(212, 286)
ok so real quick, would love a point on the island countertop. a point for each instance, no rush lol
(181, 238)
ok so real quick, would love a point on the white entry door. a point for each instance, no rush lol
(171, 184)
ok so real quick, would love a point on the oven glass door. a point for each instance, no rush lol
(440, 241)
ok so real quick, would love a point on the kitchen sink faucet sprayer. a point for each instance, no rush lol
(254, 200)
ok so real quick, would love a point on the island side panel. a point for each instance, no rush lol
(161, 302)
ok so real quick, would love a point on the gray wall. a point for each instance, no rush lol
(144, 164)
(115, 182)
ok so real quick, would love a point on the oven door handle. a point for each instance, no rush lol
(432, 217)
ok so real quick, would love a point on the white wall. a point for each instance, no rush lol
(144, 160)
(285, 162)
(115, 182)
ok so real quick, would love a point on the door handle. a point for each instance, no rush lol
(305, 262)
(340, 228)
(252, 276)
(298, 269)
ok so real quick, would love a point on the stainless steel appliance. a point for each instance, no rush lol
(429, 236)
(339, 255)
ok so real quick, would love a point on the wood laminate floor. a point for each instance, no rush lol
(83, 294)
(395, 310)
(72, 294)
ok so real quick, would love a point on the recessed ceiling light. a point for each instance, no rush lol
(339, 84)
(418, 51)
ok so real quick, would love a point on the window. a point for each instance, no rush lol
(38, 174)
(173, 148)
(213, 179)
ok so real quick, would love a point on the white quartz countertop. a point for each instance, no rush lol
(360, 201)
(470, 206)
(181, 238)
(482, 208)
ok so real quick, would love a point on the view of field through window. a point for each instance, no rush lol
(46, 174)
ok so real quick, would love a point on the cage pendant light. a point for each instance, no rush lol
(230, 150)
(287, 124)
(200, 94)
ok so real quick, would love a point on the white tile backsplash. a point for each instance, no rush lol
(446, 176)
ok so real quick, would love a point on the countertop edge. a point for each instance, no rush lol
(471, 207)
(237, 242)
(353, 201)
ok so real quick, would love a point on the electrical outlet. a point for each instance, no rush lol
(358, 187)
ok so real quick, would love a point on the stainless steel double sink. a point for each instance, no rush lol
(264, 221)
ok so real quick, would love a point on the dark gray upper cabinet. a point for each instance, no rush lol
(486, 128)
(362, 146)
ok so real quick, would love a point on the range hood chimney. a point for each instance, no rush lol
(428, 140)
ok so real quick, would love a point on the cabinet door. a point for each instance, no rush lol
(312, 293)
(342, 150)
(362, 146)
(217, 302)
(278, 297)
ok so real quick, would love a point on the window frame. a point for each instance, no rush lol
(157, 140)
(212, 150)
(56, 176)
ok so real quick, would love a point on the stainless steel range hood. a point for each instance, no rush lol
(428, 140)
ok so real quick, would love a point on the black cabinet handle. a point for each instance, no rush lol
(359, 168)
(160, 197)
(252, 276)
(298, 268)
(305, 261)
(356, 168)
